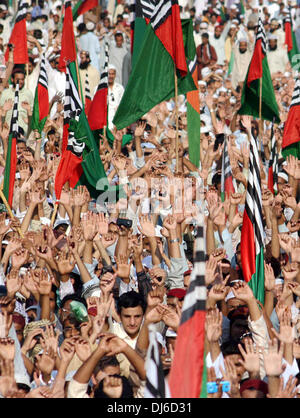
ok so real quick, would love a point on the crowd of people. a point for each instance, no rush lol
(79, 288)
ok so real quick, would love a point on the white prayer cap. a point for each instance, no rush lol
(219, 71)
(283, 175)
(235, 21)
(233, 26)
(171, 333)
(203, 25)
(273, 37)
(232, 100)
(112, 67)
(3, 7)
(285, 10)
(243, 39)
(90, 26)
(202, 83)
(279, 281)
(233, 7)
(229, 296)
(205, 71)
(287, 74)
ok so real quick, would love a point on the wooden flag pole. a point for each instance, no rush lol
(176, 118)
(9, 210)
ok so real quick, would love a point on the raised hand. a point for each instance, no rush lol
(154, 298)
(42, 282)
(213, 325)
(89, 226)
(218, 292)
(158, 276)
(269, 277)
(13, 283)
(290, 271)
(210, 270)
(19, 258)
(102, 224)
(146, 226)
(242, 291)
(250, 358)
(107, 282)
(83, 349)
(123, 267)
(171, 317)
(65, 262)
(108, 239)
(286, 329)
(7, 349)
(273, 358)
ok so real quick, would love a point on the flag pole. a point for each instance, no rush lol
(9, 210)
(260, 120)
(176, 117)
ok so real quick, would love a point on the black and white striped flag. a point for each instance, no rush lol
(156, 386)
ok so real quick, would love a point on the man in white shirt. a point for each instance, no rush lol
(217, 40)
(115, 93)
(277, 57)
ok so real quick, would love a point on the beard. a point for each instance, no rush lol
(273, 48)
(84, 65)
(242, 51)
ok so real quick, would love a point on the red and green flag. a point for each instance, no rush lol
(258, 86)
(83, 6)
(18, 36)
(98, 110)
(193, 117)
(11, 156)
(291, 131)
(41, 100)
(252, 235)
(152, 78)
(187, 377)
(68, 46)
(290, 39)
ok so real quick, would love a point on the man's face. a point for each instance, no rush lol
(111, 76)
(19, 331)
(243, 47)
(202, 88)
(21, 147)
(131, 319)
(108, 371)
(119, 40)
(218, 32)
(83, 57)
(273, 27)
(273, 44)
(30, 67)
(18, 78)
(204, 40)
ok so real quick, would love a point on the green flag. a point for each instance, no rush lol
(152, 78)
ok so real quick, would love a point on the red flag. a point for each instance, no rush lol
(165, 20)
(187, 375)
(256, 65)
(98, 110)
(291, 132)
(18, 37)
(68, 47)
(85, 6)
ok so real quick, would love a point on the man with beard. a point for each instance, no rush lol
(218, 41)
(206, 54)
(242, 55)
(25, 99)
(275, 29)
(278, 59)
(86, 68)
(115, 93)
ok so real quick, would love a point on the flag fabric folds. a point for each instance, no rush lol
(273, 164)
(83, 6)
(18, 35)
(252, 236)
(188, 372)
(193, 117)
(11, 157)
(69, 168)
(152, 78)
(68, 46)
(164, 17)
(227, 186)
(156, 386)
(97, 117)
(290, 38)
(291, 132)
(41, 100)
(258, 83)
